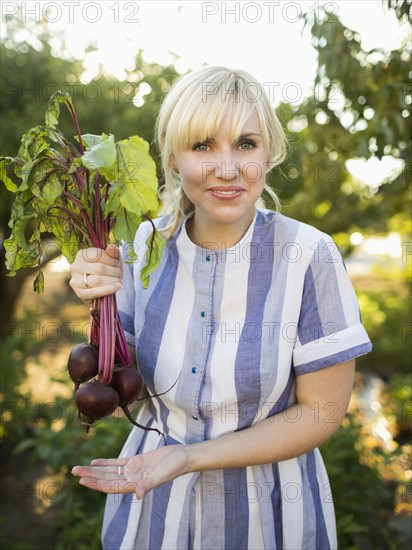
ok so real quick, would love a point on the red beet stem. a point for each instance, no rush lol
(107, 339)
(133, 421)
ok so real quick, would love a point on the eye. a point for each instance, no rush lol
(246, 145)
(202, 147)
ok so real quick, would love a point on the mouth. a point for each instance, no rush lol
(226, 192)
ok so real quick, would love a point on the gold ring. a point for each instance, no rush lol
(85, 279)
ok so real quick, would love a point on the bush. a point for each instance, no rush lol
(363, 502)
(79, 510)
(386, 315)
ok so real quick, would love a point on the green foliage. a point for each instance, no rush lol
(78, 511)
(363, 503)
(360, 108)
(397, 403)
(14, 350)
(80, 196)
(386, 315)
(51, 434)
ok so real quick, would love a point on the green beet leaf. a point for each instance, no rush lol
(48, 188)
(135, 188)
(90, 140)
(53, 108)
(101, 157)
(83, 192)
(38, 285)
(8, 182)
(155, 244)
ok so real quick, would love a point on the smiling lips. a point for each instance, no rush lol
(225, 193)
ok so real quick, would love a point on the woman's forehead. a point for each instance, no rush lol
(229, 128)
(230, 122)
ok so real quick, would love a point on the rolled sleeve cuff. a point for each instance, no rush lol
(336, 348)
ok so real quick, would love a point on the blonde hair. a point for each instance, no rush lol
(192, 111)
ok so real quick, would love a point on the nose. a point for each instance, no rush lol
(227, 168)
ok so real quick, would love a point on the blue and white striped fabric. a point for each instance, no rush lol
(236, 326)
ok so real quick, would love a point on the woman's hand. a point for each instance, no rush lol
(138, 474)
(290, 433)
(101, 270)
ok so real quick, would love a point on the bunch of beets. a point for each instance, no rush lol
(84, 193)
(95, 400)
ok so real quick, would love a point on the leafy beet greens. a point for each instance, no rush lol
(87, 192)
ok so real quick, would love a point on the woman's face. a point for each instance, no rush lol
(224, 179)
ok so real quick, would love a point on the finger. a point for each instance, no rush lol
(87, 471)
(87, 280)
(109, 487)
(109, 462)
(139, 492)
(95, 280)
(90, 294)
(95, 261)
(102, 473)
(113, 251)
(100, 268)
(97, 255)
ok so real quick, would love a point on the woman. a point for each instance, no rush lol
(253, 312)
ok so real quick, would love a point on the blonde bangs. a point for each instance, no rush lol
(198, 116)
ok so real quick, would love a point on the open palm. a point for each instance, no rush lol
(139, 474)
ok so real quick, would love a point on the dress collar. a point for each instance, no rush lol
(218, 250)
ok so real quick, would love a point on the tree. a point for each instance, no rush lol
(360, 108)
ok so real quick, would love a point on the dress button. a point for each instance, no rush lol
(194, 417)
(203, 314)
(194, 370)
(208, 258)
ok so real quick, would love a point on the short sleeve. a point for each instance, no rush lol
(330, 329)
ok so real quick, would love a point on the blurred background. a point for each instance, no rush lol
(338, 74)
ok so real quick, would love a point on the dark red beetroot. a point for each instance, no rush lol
(95, 400)
(83, 363)
(128, 383)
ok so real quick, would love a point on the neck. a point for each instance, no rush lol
(214, 236)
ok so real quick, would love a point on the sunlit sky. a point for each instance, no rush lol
(265, 38)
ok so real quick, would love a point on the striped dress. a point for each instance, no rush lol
(235, 326)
